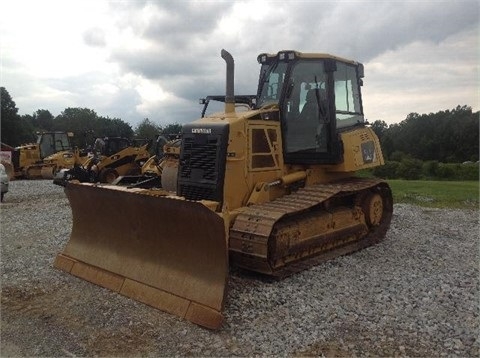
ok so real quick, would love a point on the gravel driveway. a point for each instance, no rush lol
(414, 294)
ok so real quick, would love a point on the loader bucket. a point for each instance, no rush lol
(163, 251)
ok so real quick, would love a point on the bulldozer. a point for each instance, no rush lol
(271, 189)
(28, 160)
(64, 160)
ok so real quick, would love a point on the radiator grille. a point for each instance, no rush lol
(193, 192)
(202, 162)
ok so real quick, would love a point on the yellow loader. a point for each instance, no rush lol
(166, 154)
(270, 189)
(117, 156)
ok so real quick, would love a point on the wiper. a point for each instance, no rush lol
(322, 111)
(262, 77)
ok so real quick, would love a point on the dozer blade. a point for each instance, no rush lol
(47, 172)
(165, 252)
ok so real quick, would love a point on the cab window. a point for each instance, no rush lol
(347, 96)
(305, 112)
(271, 83)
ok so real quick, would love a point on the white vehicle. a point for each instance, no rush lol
(3, 180)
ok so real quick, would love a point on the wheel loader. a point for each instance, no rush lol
(114, 157)
(166, 154)
(271, 189)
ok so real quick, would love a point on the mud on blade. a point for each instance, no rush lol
(165, 252)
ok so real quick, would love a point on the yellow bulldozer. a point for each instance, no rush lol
(64, 160)
(271, 189)
(52, 151)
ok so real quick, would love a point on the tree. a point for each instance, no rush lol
(43, 120)
(76, 120)
(114, 127)
(14, 130)
(83, 121)
(174, 128)
(379, 127)
(445, 136)
(147, 129)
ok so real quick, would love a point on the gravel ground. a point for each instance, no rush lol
(414, 294)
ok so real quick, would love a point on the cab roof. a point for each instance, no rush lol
(297, 54)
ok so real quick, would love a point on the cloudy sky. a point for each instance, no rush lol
(154, 59)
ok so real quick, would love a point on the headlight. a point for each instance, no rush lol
(289, 55)
(262, 58)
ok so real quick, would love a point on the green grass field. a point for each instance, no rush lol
(439, 194)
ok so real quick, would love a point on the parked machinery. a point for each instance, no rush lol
(64, 160)
(112, 157)
(166, 154)
(270, 189)
(28, 159)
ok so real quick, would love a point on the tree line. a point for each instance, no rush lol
(435, 146)
(450, 136)
(85, 124)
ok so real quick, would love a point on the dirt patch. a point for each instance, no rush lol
(126, 342)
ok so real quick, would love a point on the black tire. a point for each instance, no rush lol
(108, 175)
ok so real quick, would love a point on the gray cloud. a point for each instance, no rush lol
(365, 28)
(181, 33)
(157, 64)
(399, 42)
(189, 19)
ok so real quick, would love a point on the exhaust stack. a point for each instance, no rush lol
(229, 95)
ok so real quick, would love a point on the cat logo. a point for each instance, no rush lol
(202, 130)
(368, 152)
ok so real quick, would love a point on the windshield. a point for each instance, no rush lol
(271, 83)
(51, 143)
(61, 142)
(305, 117)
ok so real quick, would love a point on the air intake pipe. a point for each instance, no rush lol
(229, 95)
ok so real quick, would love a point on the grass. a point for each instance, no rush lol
(438, 194)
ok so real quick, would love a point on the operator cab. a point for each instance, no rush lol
(317, 95)
(53, 142)
(114, 145)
